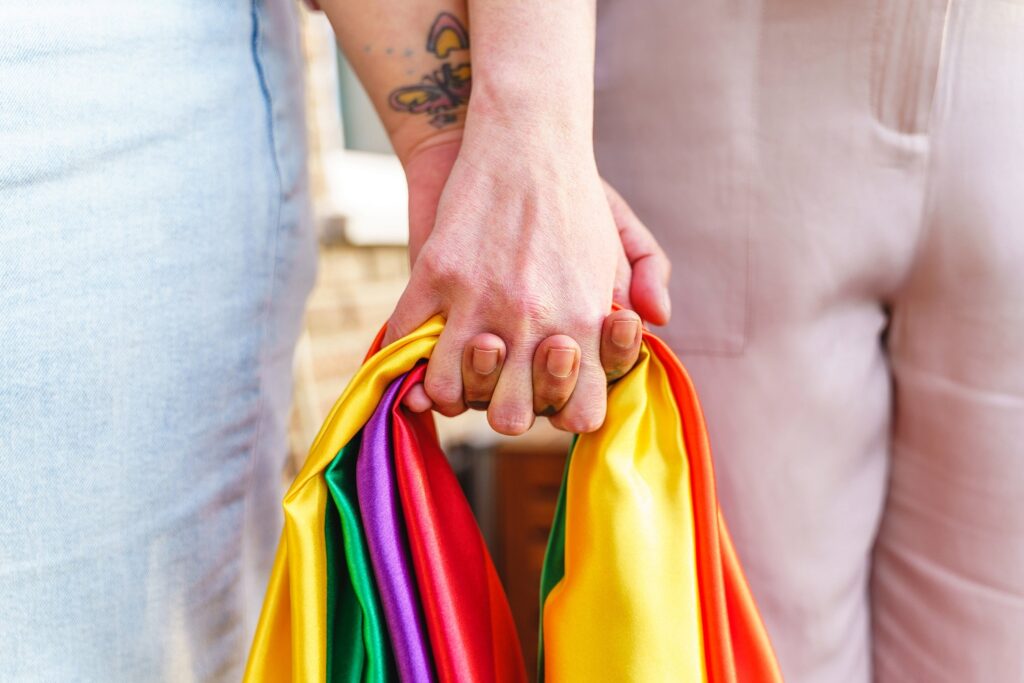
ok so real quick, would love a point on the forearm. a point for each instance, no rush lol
(413, 59)
(533, 66)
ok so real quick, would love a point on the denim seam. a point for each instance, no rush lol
(257, 51)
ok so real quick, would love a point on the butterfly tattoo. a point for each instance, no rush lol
(442, 92)
(439, 93)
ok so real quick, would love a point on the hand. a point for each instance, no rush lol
(475, 267)
(641, 283)
(555, 365)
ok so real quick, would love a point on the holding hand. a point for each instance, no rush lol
(514, 237)
(545, 377)
(555, 367)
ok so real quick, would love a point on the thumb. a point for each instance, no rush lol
(415, 307)
(648, 291)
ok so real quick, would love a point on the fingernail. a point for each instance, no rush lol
(561, 361)
(624, 333)
(485, 361)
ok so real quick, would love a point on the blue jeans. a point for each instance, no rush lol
(155, 255)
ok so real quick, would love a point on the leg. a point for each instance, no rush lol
(948, 580)
(763, 152)
(154, 265)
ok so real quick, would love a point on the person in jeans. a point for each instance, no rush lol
(156, 250)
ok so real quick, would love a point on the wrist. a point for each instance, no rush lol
(507, 108)
(414, 140)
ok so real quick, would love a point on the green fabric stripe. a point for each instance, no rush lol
(554, 558)
(345, 659)
(353, 604)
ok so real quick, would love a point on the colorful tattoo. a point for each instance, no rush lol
(447, 35)
(440, 94)
(444, 91)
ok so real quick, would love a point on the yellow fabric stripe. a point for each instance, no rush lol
(296, 649)
(627, 608)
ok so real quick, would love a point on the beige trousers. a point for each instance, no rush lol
(840, 186)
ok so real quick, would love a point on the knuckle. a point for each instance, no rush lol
(443, 391)
(584, 424)
(584, 420)
(585, 320)
(531, 307)
(511, 423)
(441, 267)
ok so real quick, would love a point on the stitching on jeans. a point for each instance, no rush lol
(268, 103)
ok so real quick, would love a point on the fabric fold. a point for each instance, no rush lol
(472, 633)
(358, 644)
(290, 643)
(386, 538)
(382, 570)
(639, 533)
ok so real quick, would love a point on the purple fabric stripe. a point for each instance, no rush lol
(389, 553)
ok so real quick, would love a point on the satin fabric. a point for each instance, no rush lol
(640, 486)
(387, 541)
(353, 603)
(291, 637)
(627, 607)
(472, 633)
(640, 580)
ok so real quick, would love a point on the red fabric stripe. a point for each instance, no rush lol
(468, 618)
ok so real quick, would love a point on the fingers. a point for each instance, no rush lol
(414, 308)
(556, 364)
(651, 269)
(443, 381)
(649, 288)
(416, 399)
(585, 410)
(620, 347)
(620, 343)
(511, 409)
(482, 359)
(558, 383)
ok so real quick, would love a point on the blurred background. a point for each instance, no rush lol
(359, 204)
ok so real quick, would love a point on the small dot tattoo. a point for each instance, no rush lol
(390, 51)
(408, 52)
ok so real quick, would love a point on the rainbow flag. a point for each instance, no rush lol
(382, 575)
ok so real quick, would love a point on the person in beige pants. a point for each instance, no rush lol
(840, 187)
